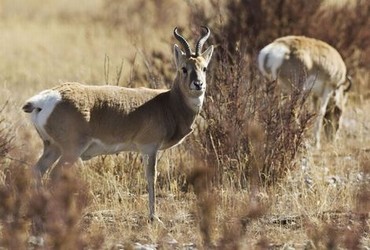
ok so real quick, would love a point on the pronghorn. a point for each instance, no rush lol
(292, 59)
(80, 121)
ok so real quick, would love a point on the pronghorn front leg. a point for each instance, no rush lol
(150, 163)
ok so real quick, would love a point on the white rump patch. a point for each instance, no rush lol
(275, 53)
(44, 104)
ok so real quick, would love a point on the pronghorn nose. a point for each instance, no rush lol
(198, 84)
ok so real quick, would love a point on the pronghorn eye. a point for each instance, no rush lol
(184, 70)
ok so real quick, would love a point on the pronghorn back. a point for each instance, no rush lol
(91, 108)
(292, 57)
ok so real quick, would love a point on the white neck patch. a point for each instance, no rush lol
(195, 103)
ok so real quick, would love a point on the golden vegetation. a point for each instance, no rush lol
(245, 179)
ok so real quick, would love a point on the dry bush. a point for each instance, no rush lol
(12, 191)
(42, 217)
(14, 195)
(200, 178)
(239, 99)
(239, 102)
(250, 140)
(6, 135)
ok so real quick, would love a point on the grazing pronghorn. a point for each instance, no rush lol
(80, 121)
(295, 59)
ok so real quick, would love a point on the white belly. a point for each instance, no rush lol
(97, 147)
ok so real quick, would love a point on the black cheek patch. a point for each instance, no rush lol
(193, 76)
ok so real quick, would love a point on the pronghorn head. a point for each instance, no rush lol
(192, 67)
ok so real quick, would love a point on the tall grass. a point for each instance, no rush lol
(6, 135)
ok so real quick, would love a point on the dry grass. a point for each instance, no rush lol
(245, 179)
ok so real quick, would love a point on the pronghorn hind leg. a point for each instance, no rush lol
(332, 119)
(65, 162)
(69, 157)
(49, 156)
(320, 115)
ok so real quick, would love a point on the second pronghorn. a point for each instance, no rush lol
(295, 59)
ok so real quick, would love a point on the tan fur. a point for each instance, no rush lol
(312, 57)
(106, 113)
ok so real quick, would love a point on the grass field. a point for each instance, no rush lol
(210, 193)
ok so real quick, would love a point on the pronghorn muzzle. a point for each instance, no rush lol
(198, 85)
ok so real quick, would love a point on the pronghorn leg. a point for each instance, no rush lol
(50, 155)
(65, 162)
(320, 115)
(70, 155)
(150, 162)
(338, 102)
(332, 119)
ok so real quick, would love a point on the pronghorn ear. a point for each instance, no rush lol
(179, 55)
(208, 54)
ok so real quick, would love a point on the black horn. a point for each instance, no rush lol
(183, 42)
(201, 41)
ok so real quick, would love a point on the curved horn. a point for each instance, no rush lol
(183, 42)
(201, 41)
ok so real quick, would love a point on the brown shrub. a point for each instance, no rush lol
(249, 129)
(14, 196)
(39, 217)
(6, 136)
